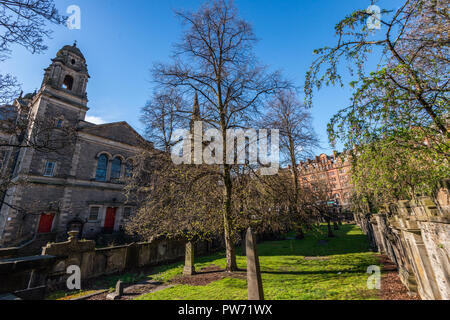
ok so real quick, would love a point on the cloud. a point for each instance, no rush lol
(96, 120)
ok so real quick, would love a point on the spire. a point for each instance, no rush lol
(195, 112)
(196, 109)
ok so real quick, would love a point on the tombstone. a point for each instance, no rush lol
(255, 288)
(118, 293)
(244, 253)
(189, 268)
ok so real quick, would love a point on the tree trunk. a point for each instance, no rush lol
(335, 225)
(300, 233)
(227, 223)
(330, 232)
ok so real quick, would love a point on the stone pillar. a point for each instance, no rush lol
(255, 288)
(189, 268)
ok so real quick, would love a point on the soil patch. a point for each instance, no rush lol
(207, 275)
(392, 287)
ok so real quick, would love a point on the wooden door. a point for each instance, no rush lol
(45, 223)
(110, 219)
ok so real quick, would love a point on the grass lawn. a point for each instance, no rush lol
(291, 269)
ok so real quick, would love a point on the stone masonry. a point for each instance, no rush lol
(416, 236)
(79, 187)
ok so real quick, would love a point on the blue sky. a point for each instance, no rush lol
(122, 39)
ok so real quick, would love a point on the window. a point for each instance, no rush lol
(93, 213)
(128, 169)
(102, 165)
(59, 123)
(116, 169)
(49, 169)
(68, 82)
(126, 212)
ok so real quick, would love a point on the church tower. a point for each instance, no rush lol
(61, 102)
(68, 74)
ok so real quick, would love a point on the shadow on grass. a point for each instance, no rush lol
(348, 239)
(310, 272)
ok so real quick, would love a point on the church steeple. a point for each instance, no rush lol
(68, 73)
(196, 116)
(196, 109)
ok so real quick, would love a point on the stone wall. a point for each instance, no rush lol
(29, 248)
(416, 236)
(93, 262)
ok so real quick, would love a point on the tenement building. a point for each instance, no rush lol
(66, 173)
(333, 170)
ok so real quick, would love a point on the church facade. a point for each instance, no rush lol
(80, 186)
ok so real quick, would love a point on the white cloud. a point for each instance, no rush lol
(96, 120)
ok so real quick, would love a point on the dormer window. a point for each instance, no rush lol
(73, 61)
(68, 82)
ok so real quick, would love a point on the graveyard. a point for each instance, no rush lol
(314, 268)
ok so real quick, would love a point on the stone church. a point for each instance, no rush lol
(79, 188)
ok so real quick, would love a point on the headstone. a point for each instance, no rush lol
(255, 288)
(243, 233)
(189, 268)
(118, 293)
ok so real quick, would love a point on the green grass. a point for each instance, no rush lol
(339, 273)
(62, 295)
(127, 278)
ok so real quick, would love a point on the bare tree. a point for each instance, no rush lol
(297, 137)
(317, 202)
(215, 59)
(173, 201)
(20, 130)
(24, 23)
(162, 115)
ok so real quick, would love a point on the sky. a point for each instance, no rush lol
(121, 40)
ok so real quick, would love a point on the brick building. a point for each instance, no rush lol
(332, 170)
(79, 188)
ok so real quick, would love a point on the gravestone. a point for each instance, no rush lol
(255, 288)
(189, 268)
(243, 233)
(118, 293)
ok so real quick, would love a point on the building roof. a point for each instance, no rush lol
(73, 48)
(116, 131)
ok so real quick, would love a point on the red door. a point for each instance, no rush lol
(110, 219)
(45, 223)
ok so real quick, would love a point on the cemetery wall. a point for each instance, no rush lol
(49, 270)
(416, 237)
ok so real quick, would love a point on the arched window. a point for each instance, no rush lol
(102, 166)
(68, 82)
(116, 169)
(128, 169)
